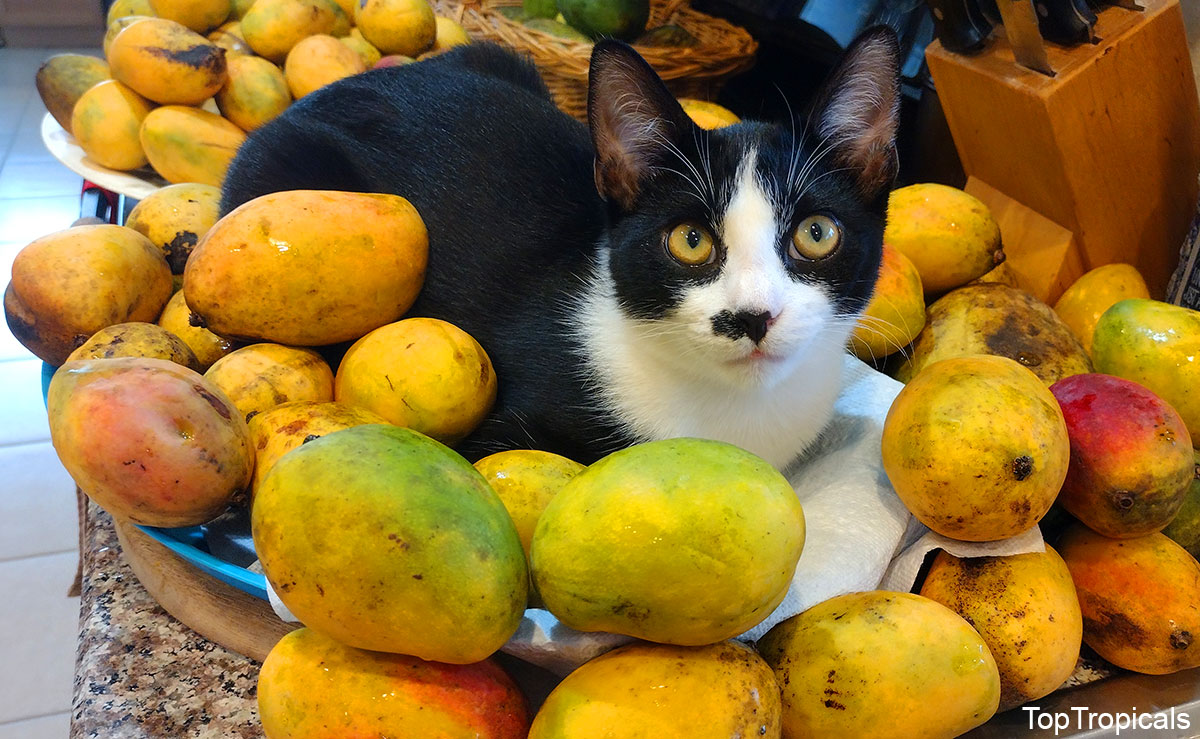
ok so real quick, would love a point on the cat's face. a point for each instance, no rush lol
(736, 253)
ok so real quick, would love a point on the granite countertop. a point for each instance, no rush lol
(140, 673)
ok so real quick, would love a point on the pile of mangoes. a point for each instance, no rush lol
(186, 80)
(592, 20)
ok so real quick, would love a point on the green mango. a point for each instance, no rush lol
(1157, 345)
(554, 28)
(540, 8)
(1185, 527)
(623, 19)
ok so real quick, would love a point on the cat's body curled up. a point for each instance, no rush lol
(632, 280)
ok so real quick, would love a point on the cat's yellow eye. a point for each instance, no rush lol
(815, 238)
(691, 245)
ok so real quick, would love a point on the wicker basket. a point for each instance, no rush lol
(689, 71)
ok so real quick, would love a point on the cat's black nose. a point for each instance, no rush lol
(755, 324)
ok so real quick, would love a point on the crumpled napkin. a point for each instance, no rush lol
(859, 536)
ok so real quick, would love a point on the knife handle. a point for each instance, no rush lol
(959, 26)
(1066, 22)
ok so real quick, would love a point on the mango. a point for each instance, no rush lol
(176, 317)
(278, 430)
(555, 28)
(991, 318)
(136, 339)
(261, 376)
(449, 34)
(106, 120)
(122, 8)
(393, 60)
(343, 22)
(1184, 529)
(63, 78)
(318, 61)
(1081, 305)
(307, 268)
(239, 8)
(255, 93)
(1025, 608)
(359, 45)
(1131, 456)
(976, 447)
(148, 440)
(1140, 599)
(1002, 273)
(949, 235)
(708, 115)
(406, 27)
(436, 568)
(896, 313)
(881, 665)
(611, 549)
(623, 19)
(526, 481)
(68, 285)
(118, 25)
(719, 691)
(1156, 345)
(167, 63)
(426, 374)
(312, 687)
(190, 145)
(229, 38)
(200, 16)
(175, 218)
(273, 27)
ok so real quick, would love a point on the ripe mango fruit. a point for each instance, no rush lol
(239, 8)
(681, 541)
(406, 27)
(1131, 456)
(1081, 305)
(976, 448)
(176, 317)
(149, 440)
(1156, 345)
(165, 62)
(106, 120)
(992, 318)
(412, 551)
(318, 61)
(307, 267)
(1025, 608)
(526, 481)
(359, 45)
(136, 339)
(254, 94)
(949, 235)
(68, 285)
(312, 687)
(175, 218)
(1184, 529)
(189, 145)
(423, 373)
(882, 665)
(717, 691)
(229, 38)
(200, 16)
(261, 376)
(122, 8)
(273, 27)
(896, 313)
(449, 34)
(63, 78)
(708, 115)
(118, 25)
(1140, 599)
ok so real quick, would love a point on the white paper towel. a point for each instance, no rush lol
(859, 536)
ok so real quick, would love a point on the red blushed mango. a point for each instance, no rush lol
(1131, 455)
(312, 687)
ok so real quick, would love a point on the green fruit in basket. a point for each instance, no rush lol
(386, 540)
(682, 541)
(667, 36)
(623, 19)
(512, 12)
(554, 28)
(540, 8)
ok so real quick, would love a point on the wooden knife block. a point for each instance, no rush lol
(1108, 149)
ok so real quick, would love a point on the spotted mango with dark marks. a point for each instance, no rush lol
(166, 62)
(175, 218)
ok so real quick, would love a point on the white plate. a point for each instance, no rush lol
(136, 184)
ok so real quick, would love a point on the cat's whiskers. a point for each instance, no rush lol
(826, 145)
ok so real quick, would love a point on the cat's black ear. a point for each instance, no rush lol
(634, 120)
(859, 110)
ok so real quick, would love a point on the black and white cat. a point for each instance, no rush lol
(643, 280)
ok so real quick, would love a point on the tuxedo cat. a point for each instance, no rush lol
(635, 279)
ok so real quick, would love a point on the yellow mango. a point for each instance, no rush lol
(896, 313)
(647, 691)
(118, 25)
(526, 480)
(881, 665)
(190, 145)
(976, 447)
(261, 376)
(63, 78)
(318, 61)
(200, 16)
(1082, 304)
(308, 268)
(167, 63)
(175, 218)
(422, 373)
(1025, 608)
(348, 7)
(342, 23)
(229, 38)
(312, 687)
(708, 115)
(359, 45)
(239, 8)
(68, 285)
(106, 120)
(122, 8)
(273, 27)
(254, 94)
(949, 235)
(448, 35)
(136, 339)
(208, 347)
(406, 27)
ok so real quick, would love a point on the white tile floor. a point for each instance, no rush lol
(38, 538)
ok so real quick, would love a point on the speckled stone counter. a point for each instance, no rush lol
(140, 673)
